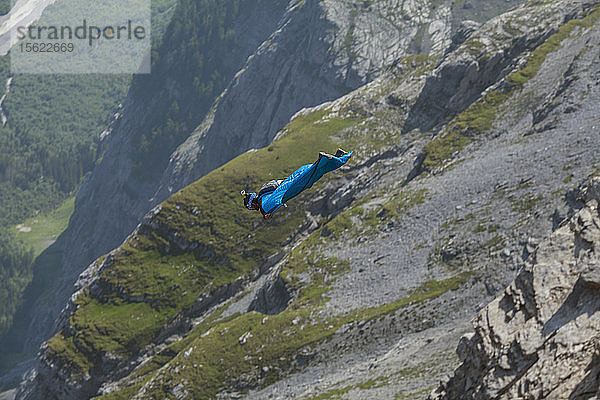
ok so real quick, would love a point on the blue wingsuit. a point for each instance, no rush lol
(303, 178)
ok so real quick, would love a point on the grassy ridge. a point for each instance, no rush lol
(480, 116)
(553, 43)
(150, 278)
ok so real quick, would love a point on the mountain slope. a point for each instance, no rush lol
(386, 258)
(50, 129)
(150, 108)
(321, 51)
(343, 46)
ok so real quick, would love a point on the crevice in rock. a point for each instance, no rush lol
(589, 387)
(516, 379)
(416, 170)
(273, 298)
(568, 311)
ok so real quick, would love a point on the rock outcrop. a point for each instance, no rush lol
(541, 338)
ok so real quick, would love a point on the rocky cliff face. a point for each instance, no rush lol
(362, 287)
(312, 52)
(321, 51)
(540, 338)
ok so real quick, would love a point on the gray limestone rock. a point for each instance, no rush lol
(540, 339)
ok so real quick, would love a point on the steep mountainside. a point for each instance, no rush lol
(101, 203)
(314, 51)
(362, 286)
(50, 126)
(320, 52)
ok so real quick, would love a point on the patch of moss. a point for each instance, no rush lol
(476, 119)
(362, 220)
(455, 221)
(510, 30)
(304, 259)
(480, 115)
(526, 203)
(373, 383)
(482, 227)
(338, 393)
(539, 2)
(474, 46)
(441, 148)
(341, 223)
(142, 374)
(413, 65)
(221, 359)
(429, 290)
(119, 327)
(479, 228)
(64, 348)
(402, 202)
(493, 228)
(125, 393)
(333, 394)
(495, 243)
(413, 395)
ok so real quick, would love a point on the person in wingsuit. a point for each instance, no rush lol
(276, 193)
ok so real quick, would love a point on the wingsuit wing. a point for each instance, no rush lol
(302, 179)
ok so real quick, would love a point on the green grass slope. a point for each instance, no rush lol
(40, 232)
(201, 239)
